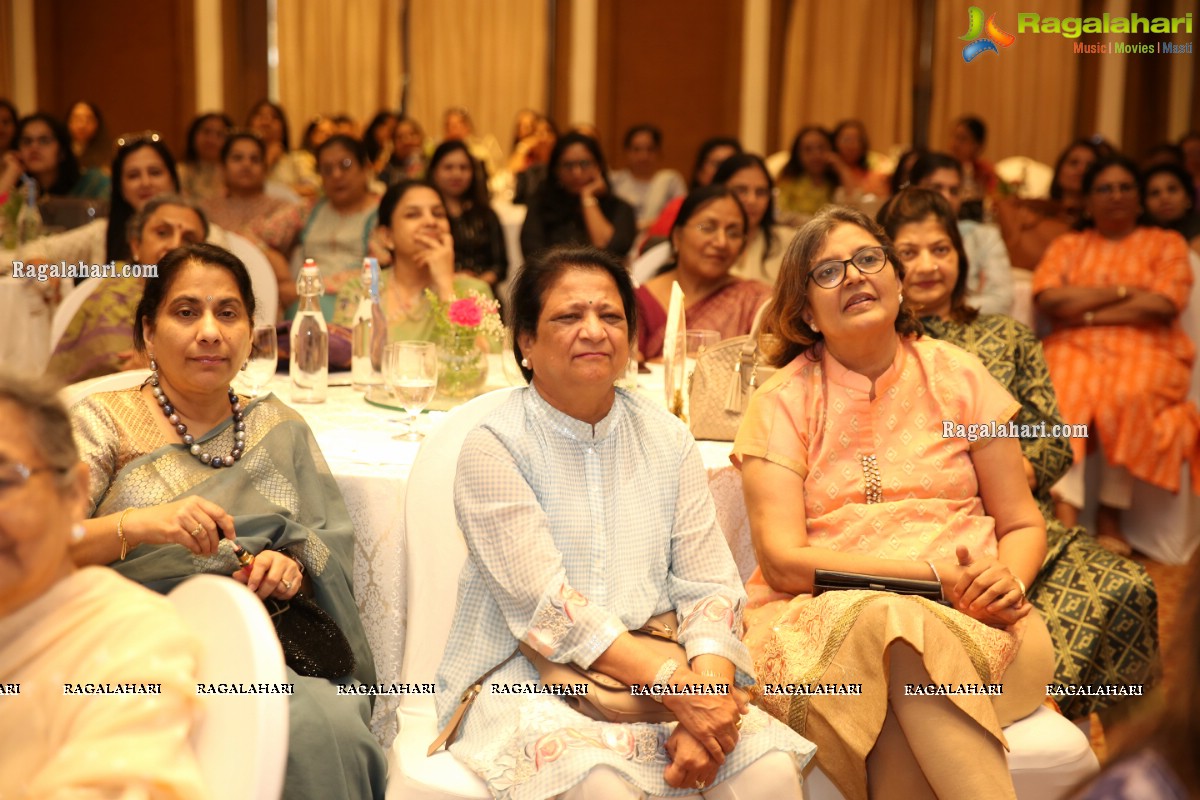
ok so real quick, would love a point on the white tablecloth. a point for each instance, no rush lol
(371, 469)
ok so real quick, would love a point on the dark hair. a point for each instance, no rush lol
(862, 130)
(1093, 172)
(190, 155)
(735, 164)
(785, 317)
(976, 127)
(392, 197)
(1181, 174)
(279, 114)
(378, 121)
(356, 147)
(929, 163)
(95, 154)
(138, 222)
(654, 132)
(697, 200)
(169, 268)
(242, 136)
(6, 104)
(917, 205)
(119, 210)
(540, 273)
(902, 176)
(1056, 190)
(475, 198)
(552, 200)
(794, 168)
(67, 169)
(706, 147)
(47, 419)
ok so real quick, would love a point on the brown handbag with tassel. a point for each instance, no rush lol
(723, 380)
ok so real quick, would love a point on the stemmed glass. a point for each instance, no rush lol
(264, 358)
(411, 370)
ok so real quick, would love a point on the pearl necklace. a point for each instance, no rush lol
(214, 461)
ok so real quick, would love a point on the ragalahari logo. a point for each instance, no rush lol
(983, 38)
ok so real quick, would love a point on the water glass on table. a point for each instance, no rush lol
(411, 371)
(264, 359)
(696, 341)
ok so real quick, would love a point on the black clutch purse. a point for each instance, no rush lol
(313, 644)
(828, 580)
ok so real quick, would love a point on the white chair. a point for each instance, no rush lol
(436, 552)
(240, 646)
(647, 265)
(68, 307)
(262, 278)
(105, 383)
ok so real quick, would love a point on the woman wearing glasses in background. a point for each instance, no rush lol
(44, 153)
(853, 422)
(747, 176)
(1119, 359)
(708, 237)
(575, 205)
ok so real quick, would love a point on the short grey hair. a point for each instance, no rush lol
(46, 417)
(137, 223)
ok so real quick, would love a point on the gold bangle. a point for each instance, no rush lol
(121, 532)
(1021, 586)
(1122, 292)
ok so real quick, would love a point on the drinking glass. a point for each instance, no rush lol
(696, 341)
(264, 358)
(411, 370)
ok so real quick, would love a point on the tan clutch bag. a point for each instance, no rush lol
(723, 380)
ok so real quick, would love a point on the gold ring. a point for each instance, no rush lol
(287, 585)
(738, 724)
(699, 784)
(196, 533)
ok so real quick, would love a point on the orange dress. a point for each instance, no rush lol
(817, 419)
(1129, 383)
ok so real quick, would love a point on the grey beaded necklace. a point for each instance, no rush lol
(239, 426)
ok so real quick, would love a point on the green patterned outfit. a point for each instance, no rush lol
(1101, 609)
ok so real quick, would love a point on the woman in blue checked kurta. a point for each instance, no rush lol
(586, 511)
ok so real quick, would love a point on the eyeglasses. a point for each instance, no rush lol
(338, 166)
(45, 140)
(581, 164)
(1113, 188)
(130, 139)
(830, 274)
(732, 234)
(15, 475)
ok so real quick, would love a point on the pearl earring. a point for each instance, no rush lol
(901, 297)
(77, 532)
(813, 325)
(153, 366)
(525, 363)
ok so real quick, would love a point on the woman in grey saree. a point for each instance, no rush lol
(158, 512)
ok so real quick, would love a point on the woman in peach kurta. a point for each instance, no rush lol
(855, 421)
(1119, 360)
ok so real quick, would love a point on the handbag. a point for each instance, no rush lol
(723, 380)
(606, 699)
(827, 580)
(313, 644)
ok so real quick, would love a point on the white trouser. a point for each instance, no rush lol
(772, 777)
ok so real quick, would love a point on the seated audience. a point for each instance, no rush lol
(653, 545)
(8, 126)
(407, 161)
(1171, 201)
(1189, 143)
(337, 230)
(711, 154)
(1080, 586)
(414, 228)
(708, 238)
(852, 422)
(989, 275)
(161, 513)
(857, 181)
(60, 625)
(808, 179)
(968, 136)
(99, 338)
(200, 175)
(904, 165)
(746, 175)
(90, 141)
(378, 138)
(641, 183)
(1120, 361)
(458, 126)
(283, 166)
(245, 208)
(44, 153)
(576, 205)
(529, 161)
(479, 247)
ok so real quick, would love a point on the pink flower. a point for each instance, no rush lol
(465, 312)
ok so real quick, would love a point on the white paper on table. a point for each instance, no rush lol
(674, 351)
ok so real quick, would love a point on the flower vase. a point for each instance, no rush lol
(462, 364)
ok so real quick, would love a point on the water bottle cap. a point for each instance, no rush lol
(310, 269)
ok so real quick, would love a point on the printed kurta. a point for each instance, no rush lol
(576, 534)
(881, 480)
(729, 311)
(1129, 383)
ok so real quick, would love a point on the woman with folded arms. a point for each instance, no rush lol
(180, 467)
(853, 426)
(569, 566)
(62, 625)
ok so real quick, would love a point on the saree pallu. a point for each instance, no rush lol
(282, 497)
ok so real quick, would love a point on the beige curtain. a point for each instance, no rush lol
(850, 59)
(488, 56)
(1025, 93)
(341, 57)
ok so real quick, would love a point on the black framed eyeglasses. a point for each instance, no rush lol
(830, 274)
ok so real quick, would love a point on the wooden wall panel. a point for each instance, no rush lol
(244, 28)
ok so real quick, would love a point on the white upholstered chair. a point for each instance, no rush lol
(68, 307)
(262, 278)
(240, 646)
